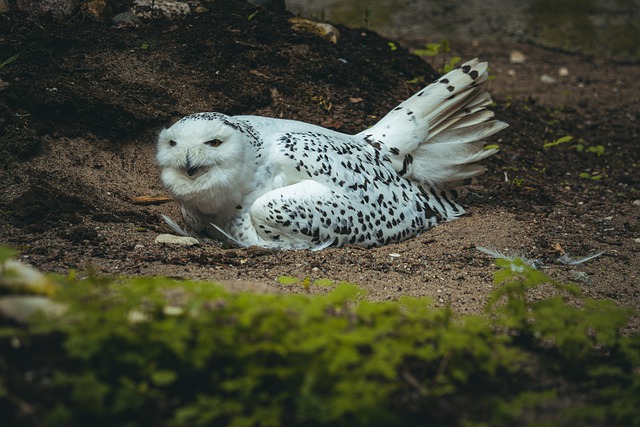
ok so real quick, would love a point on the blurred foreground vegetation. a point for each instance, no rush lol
(160, 352)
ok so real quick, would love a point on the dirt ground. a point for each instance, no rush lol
(81, 106)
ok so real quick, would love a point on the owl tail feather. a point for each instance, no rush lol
(174, 226)
(435, 137)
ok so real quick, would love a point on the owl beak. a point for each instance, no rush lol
(191, 170)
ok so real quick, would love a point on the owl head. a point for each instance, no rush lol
(202, 158)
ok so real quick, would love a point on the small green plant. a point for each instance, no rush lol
(392, 46)
(306, 282)
(593, 177)
(322, 103)
(9, 60)
(443, 50)
(415, 80)
(518, 181)
(6, 253)
(557, 142)
(155, 351)
(434, 49)
(597, 149)
(253, 15)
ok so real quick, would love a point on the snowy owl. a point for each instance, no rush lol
(286, 184)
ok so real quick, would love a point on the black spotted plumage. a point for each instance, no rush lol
(286, 184)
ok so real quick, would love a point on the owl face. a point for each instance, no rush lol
(202, 157)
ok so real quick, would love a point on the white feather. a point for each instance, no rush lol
(442, 127)
(292, 185)
(174, 226)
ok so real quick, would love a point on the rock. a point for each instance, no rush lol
(517, 57)
(580, 276)
(563, 72)
(4, 6)
(322, 29)
(100, 10)
(125, 20)
(153, 9)
(636, 202)
(20, 277)
(22, 307)
(547, 79)
(170, 239)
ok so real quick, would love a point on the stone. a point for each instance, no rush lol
(517, 57)
(321, 29)
(170, 239)
(580, 276)
(153, 9)
(100, 10)
(547, 79)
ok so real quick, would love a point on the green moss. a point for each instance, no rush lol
(154, 351)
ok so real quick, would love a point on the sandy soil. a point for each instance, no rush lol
(82, 105)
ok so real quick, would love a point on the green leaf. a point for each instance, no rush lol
(451, 64)
(557, 142)
(323, 282)
(288, 280)
(7, 253)
(414, 80)
(253, 15)
(432, 49)
(598, 150)
(9, 60)
(163, 377)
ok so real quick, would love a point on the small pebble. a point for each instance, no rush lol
(170, 239)
(517, 57)
(563, 72)
(125, 19)
(547, 79)
(580, 276)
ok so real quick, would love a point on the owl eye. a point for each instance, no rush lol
(172, 143)
(213, 143)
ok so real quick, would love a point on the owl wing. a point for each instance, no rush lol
(305, 215)
(312, 215)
